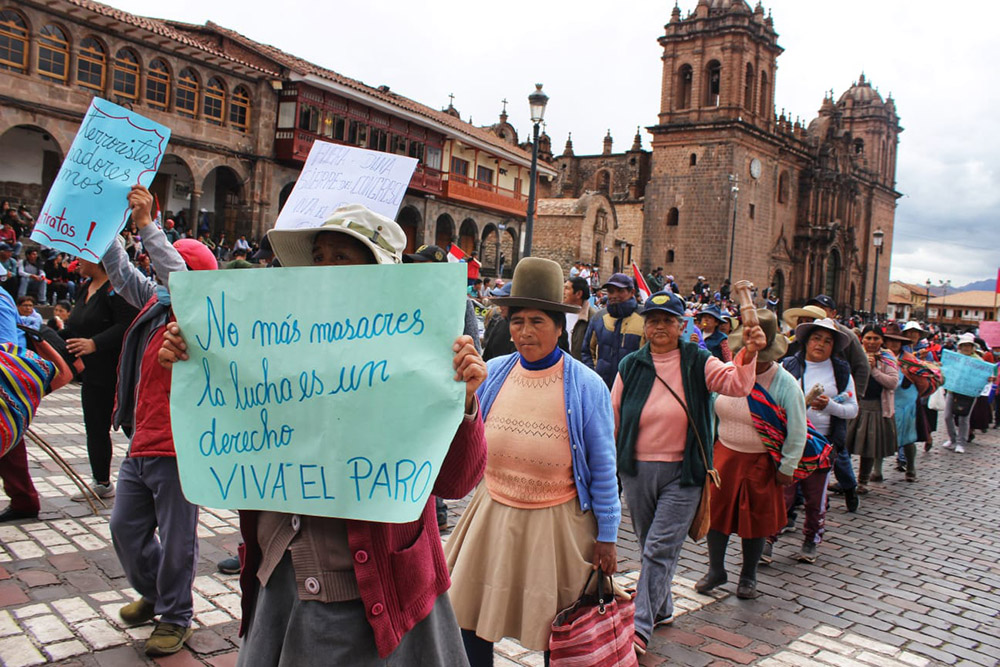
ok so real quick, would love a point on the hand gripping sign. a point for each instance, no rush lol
(326, 391)
(86, 207)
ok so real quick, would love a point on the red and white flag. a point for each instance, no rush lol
(455, 254)
(640, 283)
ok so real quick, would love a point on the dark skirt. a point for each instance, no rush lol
(750, 502)
(870, 435)
(981, 414)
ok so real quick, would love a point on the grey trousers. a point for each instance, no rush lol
(288, 632)
(662, 511)
(161, 569)
(959, 435)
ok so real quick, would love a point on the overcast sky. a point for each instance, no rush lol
(601, 67)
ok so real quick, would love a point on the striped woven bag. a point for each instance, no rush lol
(595, 631)
(24, 378)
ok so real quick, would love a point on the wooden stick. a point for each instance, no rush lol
(81, 483)
(747, 310)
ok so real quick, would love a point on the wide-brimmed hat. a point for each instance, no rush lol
(537, 283)
(792, 315)
(840, 339)
(666, 302)
(777, 344)
(385, 238)
(712, 311)
(893, 332)
(915, 326)
(967, 338)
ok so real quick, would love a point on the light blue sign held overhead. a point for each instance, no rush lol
(86, 207)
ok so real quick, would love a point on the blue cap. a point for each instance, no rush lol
(712, 311)
(665, 301)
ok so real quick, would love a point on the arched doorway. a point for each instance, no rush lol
(854, 299)
(172, 188)
(832, 274)
(28, 166)
(444, 231)
(778, 281)
(467, 236)
(489, 249)
(409, 220)
(508, 250)
(222, 205)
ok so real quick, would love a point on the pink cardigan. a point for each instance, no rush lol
(400, 568)
(886, 373)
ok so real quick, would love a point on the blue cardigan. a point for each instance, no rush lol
(591, 426)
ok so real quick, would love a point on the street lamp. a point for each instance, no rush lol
(735, 189)
(536, 101)
(877, 237)
(944, 297)
(927, 299)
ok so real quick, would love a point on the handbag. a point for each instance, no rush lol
(961, 405)
(703, 515)
(595, 631)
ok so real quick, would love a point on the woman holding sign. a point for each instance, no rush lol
(547, 513)
(327, 591)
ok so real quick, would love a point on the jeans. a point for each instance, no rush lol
(843, 470)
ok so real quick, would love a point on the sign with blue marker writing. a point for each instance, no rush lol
(325, 391)
(965, 375)
(86, 207)
(336, 176)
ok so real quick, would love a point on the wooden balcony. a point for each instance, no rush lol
(426, 179)
(487, 195)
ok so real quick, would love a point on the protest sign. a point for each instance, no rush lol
(317, 390)
(990, 332)
(336, 175)
(965, 375)
(86, 207)
(689, 328)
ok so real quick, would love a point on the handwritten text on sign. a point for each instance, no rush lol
(86, 207)
(965, 375)
(319, 390)
(336, 176)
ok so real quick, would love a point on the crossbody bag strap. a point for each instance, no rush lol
(701, 444)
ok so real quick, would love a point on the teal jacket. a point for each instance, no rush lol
(638, 375)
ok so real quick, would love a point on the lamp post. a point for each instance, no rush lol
(877, 237)
(735, 189)
(945, 284)
(536, 101)
(927, 300)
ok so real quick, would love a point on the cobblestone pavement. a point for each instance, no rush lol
(912, 579)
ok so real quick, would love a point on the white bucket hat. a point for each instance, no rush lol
(967, 339)
(385, 238)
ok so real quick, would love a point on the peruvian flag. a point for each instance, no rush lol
(998, 281)
(455, 254)
(640, 282)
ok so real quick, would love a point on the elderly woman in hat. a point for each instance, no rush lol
(751, 499)
(547, 512)
(662, 397)
(872, 435)
(327, 591)
(709, 320)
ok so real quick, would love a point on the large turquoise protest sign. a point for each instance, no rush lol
(86, 207)
(325, 391)
(965, 375)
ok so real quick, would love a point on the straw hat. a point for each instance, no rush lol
(792, 315)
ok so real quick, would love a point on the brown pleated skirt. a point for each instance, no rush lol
(870, 435)
(750, 502)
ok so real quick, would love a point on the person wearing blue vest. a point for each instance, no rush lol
(615, 332)
(815, 366)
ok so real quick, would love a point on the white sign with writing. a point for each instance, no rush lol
(336, 175)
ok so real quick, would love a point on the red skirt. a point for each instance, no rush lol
(750, 502)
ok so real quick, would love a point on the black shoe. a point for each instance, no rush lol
(789, 526)
(835, 488)
(747, 590)
(11, 514)
(852, 500)
(710, 581)
(901, 466)
(229, 565)
(766, 556)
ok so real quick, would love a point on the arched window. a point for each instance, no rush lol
(603, 182)
(158, 84)
(765, 97)
(784, 188)
(713, 83)
(214, 101)
(53, 54)
(833, 273)
(859, 146)
(670, 257)
(13, 41)
(685, 77)
(239, 109)
(91, 64)
(673, 217)
(748, 89)
(186, 94)
(694, 159)
(125, 74)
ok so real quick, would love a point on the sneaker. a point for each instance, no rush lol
(663, 620)
(766, 556)
(900, 466)
(959, 449)
(947, 444)
(138, 612)
(789, 525)
(808, 553)
(229, 565)
(852, 500)
(167, 639)
(100, 490)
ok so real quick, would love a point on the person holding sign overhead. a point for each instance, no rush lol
(329, 591)
(547, 513)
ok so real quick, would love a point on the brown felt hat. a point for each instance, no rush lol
(777, 344)
(537, 283)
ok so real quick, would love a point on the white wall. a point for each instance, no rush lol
(21, 155)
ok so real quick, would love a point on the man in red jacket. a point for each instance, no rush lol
(327, 591)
